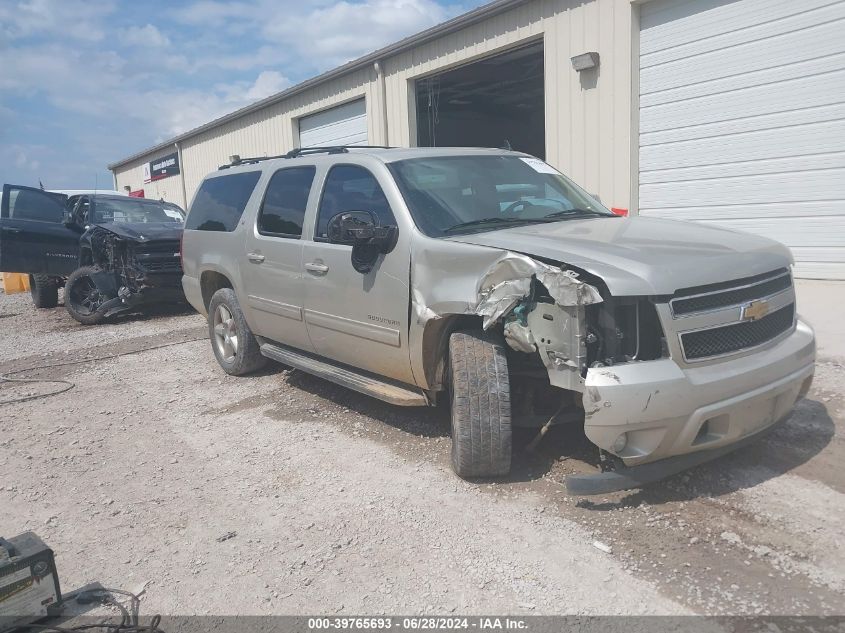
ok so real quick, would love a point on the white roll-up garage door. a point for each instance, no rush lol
(742, 120)
(344, 125)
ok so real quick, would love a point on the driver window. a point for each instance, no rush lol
(36, 205)
(351, 188)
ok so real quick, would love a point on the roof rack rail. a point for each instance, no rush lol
(331, 149)
(235, 160)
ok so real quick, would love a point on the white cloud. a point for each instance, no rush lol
(342, 31)
(70, 19)
(171, 112)
(72, 79)
(321, 33)
(145, 36)
(23, 157)
(213, 13)
(117, 84)
(267, 83)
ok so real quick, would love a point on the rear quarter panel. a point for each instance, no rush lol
(220, 251)
(209, 251)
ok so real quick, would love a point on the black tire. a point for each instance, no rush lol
(82, 299)
(242, 357)
(45, 291)
(481, 405)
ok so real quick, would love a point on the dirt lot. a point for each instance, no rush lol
(283, 494)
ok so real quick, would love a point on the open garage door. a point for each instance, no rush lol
(344, 125)
(495, 102)
(742, 121)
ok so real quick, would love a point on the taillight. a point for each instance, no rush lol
(182, 250)
(620, 212)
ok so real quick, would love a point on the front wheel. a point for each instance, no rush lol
(83, 299)
(481, 405)
(234, 344)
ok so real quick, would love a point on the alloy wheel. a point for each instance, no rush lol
(225, 334)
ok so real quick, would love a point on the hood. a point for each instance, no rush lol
(144, 231)
(643, 255)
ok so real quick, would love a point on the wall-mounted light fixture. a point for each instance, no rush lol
(585, 61)
(235, 159)
(127, 188)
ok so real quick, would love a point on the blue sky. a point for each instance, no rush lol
(87, 82)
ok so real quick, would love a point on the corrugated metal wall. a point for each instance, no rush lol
(742, 121)
(588, 116)
(273, 130)
(588, 131)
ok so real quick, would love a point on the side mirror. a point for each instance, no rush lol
(364, 232)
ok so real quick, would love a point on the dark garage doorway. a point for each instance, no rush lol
(495, 102)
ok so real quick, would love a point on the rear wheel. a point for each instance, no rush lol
(481, 408)
(44, 290)
(82, 297)
(234, 344)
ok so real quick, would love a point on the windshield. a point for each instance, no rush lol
(135, 210)
(450, 195)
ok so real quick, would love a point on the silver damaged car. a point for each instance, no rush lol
(488, 279)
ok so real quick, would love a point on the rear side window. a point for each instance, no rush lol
(283, 209)
(220, 202)
(351, 188)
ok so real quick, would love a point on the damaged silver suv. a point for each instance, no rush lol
(488, 278)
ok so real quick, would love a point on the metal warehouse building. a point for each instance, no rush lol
(722, 111)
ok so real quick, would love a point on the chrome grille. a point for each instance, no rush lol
(158, 246)
(717, 296)
(737, 336)
(730, 317)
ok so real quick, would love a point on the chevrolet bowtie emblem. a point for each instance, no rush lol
(755, 310)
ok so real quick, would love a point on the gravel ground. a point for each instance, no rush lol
(283, 494)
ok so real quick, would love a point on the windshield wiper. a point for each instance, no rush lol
(577, 213)
(494, 220)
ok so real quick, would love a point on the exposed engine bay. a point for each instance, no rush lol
(570, 324)
(121, 271)
(559, 323)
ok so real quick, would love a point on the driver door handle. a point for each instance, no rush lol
(11, 229)
(255, 258)
(315, 267)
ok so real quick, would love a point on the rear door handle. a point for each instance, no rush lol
(255, 258)
(314, 267)
(9, 229)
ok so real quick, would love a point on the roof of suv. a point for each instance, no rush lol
(383, 154)
(403, 153)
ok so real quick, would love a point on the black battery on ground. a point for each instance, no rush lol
(29, 584)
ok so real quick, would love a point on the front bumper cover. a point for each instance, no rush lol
(622, 477)
(671, 418)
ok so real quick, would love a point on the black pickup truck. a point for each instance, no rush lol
(112, 253)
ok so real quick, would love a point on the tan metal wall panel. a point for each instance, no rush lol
(588, 132)
(272, 130)
(588, 118)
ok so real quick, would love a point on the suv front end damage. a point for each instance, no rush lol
(665, 383)
(130, 272)
(543, 310)
(738, 359)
